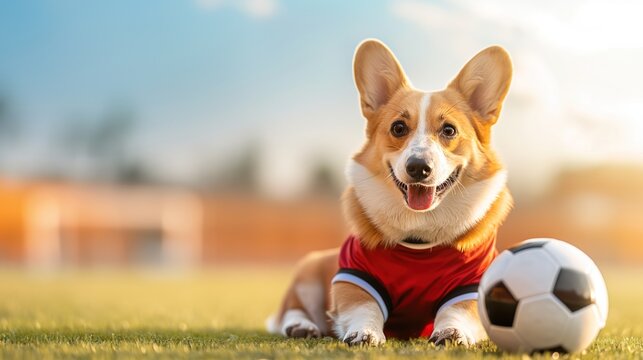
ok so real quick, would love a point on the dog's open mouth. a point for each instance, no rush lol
(419, 196)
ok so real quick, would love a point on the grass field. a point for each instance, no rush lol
(220, 314)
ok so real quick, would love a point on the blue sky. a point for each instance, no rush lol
(205, 77)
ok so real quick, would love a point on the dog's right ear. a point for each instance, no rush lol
(378, 75)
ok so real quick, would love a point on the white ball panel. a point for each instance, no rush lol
(507, 339)
(568, 256)
(602, 302)
(496, 270)
(582, 329)
(530, 272)
(541, 321)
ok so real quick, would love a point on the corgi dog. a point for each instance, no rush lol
(426, 196)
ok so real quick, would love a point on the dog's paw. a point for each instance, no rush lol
(451, 336)
(303, 329)
(369, 337)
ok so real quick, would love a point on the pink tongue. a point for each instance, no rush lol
(420, 197)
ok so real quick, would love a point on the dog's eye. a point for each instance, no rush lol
(448, 131)
(399, 128)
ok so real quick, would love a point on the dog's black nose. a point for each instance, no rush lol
(417, 168)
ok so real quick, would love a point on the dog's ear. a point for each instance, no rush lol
(484, 82)
(378, 75)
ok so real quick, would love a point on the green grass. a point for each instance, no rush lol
(220, 314)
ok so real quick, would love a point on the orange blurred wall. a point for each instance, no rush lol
(12, 222)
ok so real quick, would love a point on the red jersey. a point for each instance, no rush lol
(411, 285)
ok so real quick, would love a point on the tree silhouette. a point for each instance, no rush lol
(101, 150)
(238, 173)
(109, 142)
(324, 178)
(8, 126)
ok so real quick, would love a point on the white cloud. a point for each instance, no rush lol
(260, 8)
(578, 25)
(253, 8)
(428, 15)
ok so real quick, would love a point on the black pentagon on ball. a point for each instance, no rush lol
(574, 289)
(501, 305)
(528, 245)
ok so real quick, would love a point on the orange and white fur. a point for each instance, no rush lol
(458, 199)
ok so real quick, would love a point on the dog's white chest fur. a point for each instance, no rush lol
(457, 213)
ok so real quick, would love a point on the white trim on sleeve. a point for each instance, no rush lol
(457, 299)
(355, 280)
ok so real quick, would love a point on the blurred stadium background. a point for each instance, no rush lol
(190, 134)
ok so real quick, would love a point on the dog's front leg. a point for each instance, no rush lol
(458, 323)
(358, 319)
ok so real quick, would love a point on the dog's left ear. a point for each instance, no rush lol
(484, 82)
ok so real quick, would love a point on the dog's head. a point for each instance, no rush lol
(424, 145)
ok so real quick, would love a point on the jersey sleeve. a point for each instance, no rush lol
(354, 268)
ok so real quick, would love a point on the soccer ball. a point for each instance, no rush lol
(542, 295)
